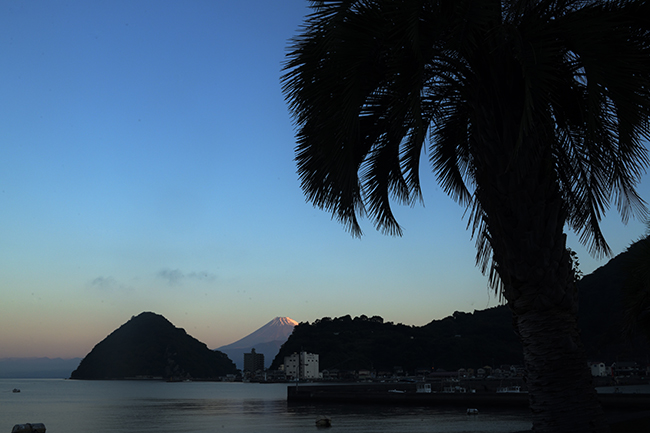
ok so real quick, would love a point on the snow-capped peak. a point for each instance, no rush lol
(277, 329)
(282, 321)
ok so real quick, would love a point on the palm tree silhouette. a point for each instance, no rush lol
(533, 114)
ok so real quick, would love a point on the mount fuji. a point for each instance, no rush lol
(266, 340)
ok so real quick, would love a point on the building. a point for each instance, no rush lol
(598, 369)
(253, 361)
(302, 365)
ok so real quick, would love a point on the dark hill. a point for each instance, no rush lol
(148, 345)
(602, 312)
(461, 340)
(465, 340)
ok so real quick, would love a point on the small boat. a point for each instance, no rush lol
(15, 390)
(323, 421)
(472, 411)
(397, 391)
(29, 428)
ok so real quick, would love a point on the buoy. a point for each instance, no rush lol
(323, 421)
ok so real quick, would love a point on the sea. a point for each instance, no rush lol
(141, 406)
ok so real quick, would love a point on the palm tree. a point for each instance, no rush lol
(533, 113)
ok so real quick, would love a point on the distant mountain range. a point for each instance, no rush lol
(267, 340)
(37, 368)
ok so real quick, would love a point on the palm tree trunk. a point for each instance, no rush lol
(562, 398)
(525, 225)
(523, 212)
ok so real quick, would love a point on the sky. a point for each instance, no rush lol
(146, 164)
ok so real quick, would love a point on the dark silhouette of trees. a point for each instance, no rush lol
(532, 112)
(636, 288)
(462, 340)
(484, 337)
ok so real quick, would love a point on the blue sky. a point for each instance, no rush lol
(146, 164)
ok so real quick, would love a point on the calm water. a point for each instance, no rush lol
(68, 406)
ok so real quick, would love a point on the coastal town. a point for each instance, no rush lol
(304, 367)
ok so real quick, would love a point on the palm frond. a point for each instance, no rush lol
(562, 85)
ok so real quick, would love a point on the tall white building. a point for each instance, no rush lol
(302, 365)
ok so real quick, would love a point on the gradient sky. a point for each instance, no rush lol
(146, 164)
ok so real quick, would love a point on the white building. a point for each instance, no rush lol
(598, 369)
(302, 365)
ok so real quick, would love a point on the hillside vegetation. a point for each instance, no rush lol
(344, 343)
(470, 340)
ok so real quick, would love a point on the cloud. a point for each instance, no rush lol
(107, 284)
(104, 283)
(176, 276)
(173, 276)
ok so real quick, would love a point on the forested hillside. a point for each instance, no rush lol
(472, 340)
(464, 339)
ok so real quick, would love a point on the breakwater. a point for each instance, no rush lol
(400, 394)
(405, 394)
